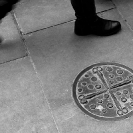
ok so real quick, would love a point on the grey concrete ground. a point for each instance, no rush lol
(40, 58)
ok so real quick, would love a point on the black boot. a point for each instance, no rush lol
(88, 22)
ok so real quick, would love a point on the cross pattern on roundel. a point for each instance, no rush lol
(104, 91)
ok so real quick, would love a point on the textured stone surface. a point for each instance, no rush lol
(36, 90)
(33, 15)
(12, 46)
(59, 55)
(23, 106)
(125, 8)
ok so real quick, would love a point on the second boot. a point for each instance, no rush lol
(87, 22)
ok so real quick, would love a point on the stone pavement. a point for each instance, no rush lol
(40, 58)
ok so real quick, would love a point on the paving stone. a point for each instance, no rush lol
(23, 105)
(12, 46)
(59, 55)
(33, 15)
(125, 8)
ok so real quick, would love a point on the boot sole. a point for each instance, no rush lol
(114, 31)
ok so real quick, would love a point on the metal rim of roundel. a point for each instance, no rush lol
(104, 91)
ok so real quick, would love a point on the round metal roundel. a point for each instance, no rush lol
(104, 91)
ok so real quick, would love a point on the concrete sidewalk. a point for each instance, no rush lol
(40, 58)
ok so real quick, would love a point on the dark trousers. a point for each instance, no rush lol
(6, 6)
(84, 8)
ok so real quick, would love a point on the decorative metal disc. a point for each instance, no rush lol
(104, 91)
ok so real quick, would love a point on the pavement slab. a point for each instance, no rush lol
(34, 15)
(59, 55)
(125, 8)
(23, 105)
(12, 46)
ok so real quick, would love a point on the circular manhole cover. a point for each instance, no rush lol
(104, 91)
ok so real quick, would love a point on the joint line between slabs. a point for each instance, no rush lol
(44, 94)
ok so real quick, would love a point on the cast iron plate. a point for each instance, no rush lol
(104, 91)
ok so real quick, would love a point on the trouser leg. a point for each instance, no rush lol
(84, 8)
(6, 6)
(88, 22)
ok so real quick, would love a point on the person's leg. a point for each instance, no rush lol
(6, 6)
(84, 8)
(87, 22)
